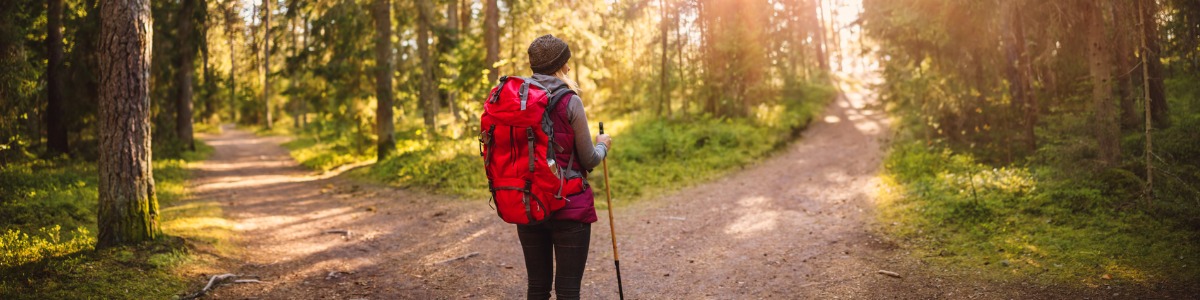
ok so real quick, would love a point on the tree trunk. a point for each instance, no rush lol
(293, 105)
(664, 91)
(1152, 51)
(1020, 77)
(428, 87)
(128, 211)
(230, 15)
(1146, 84)
(184, 75)
(267, 60)
(56, 128)
(679, 43)
(384, 128)
(822, 54)
(449, 43)
(464, 13)
(1122, 52)
(209, 87)
(491, 38)
(1100, 68)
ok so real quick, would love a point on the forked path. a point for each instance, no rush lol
(794, 225)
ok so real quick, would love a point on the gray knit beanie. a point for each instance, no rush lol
(547, 54)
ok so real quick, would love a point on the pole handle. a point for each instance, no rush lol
(601, 127)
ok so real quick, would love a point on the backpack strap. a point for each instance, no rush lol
(495, 96)
(524, 94)
(557, 95)
(486, 143)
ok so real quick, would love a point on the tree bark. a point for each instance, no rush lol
(664, 91)
(56, 128)
(491, 38)
(1123, 50)
(448, 43)
(267, 60)
(1100, 68)
(230, 15)
(822, 54)
(184, 74)
(1152, 51)
(1020, 77)
(128, 211)
(384, 128)
(428, 85)
(464, 13)
(1146, 82)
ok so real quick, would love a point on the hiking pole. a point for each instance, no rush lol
(611, 228)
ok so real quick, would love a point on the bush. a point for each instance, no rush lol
(452, 166)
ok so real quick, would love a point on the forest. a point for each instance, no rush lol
(1043, 149)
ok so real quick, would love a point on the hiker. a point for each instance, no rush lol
(562, 240)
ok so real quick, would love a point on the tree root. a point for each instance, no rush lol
(216, 280)
(890, 273)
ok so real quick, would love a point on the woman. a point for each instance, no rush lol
(563, 240)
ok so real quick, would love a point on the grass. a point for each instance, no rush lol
(651, 154)
(42, 260)
(325, 155)
(323, 146)
(1028, 222)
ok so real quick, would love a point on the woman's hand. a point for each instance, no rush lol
(604, 139)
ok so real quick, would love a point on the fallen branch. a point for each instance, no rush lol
(336, 274)
(469, 255)
(344, 232)
(215, 280)
(890, 273)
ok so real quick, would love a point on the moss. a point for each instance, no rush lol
(39, 261)
(128, 272)
(959, 213)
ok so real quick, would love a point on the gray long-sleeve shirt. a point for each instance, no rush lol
(589, 155)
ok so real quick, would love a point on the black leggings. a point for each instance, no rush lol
(564, 242)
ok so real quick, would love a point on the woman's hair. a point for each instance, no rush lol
(562, 75)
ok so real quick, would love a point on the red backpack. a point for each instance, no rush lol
(525, 182)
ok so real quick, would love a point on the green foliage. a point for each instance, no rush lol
(969, 195)
(327, 149)
(445, 166)
(650, 155)
(131, 272)
(1024, 222)
(39, 261)
(43, 193)
(17, 248)
(322, 156)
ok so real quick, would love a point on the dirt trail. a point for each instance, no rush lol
(795, 225)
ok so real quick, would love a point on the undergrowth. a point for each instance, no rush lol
(1031, 221)
(48, 221)
(650, 154)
